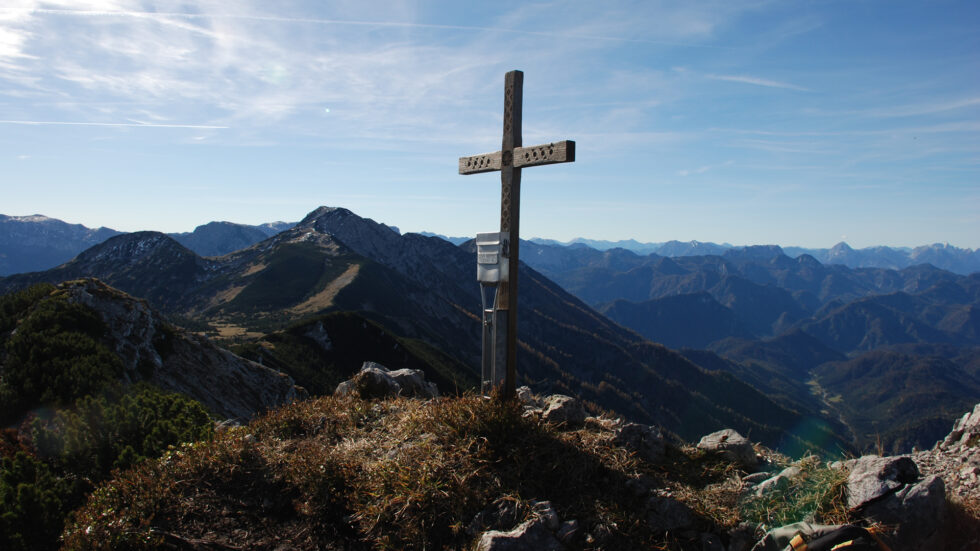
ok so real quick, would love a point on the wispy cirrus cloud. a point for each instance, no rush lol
(756, 81)
(114, 124)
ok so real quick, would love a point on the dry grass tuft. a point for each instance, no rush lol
(817, 495)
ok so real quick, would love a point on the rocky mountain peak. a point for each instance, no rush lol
(322, 211)
(130, 247)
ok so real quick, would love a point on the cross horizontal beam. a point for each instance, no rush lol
(535, 155)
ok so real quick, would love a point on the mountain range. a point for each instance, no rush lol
(422, 290)
(784, 348)
(33, 243)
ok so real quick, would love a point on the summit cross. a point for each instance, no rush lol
(511, 158)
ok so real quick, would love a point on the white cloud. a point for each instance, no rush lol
(135, 124)
(758, 82)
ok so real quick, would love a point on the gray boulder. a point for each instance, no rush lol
(731, 445)
(873, 477)
(563, 410)
(413, 383)
(375, 381)
(645, 440)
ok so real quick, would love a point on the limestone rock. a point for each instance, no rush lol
(646, 440)
(563, 410)
(873, 477)
(413, 383)
(371, 382)
(965, 429)
(956, 459)
(732, 445)
(375, 381)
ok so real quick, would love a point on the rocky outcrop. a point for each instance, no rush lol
(173, 359)
(375, 381)
(957, 459)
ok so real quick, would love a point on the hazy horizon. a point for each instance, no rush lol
(722, 242)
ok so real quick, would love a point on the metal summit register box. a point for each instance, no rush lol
(492, 252)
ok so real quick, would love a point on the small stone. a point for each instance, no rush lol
(529, 536)
(732, 445)
(564, 410)
(776, 483)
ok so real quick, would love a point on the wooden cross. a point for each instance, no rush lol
(509, 161)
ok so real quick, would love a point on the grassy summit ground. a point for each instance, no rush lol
(342, 473)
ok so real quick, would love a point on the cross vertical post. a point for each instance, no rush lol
(509, 160)
(510, 216)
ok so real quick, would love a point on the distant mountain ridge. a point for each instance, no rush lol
(34, 243)
(940, 255)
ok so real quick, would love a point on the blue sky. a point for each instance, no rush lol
(796, 123)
